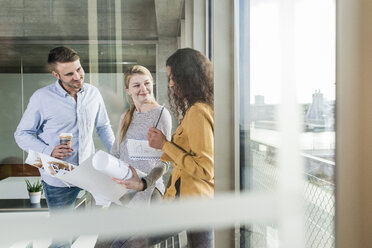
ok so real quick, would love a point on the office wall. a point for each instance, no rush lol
(11, 112)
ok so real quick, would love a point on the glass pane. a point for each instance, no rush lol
(11, 110)
(314, 39)
(109, 37)
(31, 33)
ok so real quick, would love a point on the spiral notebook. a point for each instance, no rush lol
(140, 150)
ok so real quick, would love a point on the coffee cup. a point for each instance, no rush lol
(65, 139)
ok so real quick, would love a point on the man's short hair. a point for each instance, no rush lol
(61, 55)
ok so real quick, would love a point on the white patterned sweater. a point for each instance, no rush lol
(153, 168)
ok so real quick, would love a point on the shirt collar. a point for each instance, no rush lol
(63, 92)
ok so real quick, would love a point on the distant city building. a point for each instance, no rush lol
(263, 115)
(315, 113)
(318, 115)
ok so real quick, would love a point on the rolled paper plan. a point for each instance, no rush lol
(111, 166)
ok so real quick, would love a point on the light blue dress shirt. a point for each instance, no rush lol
(51, 111)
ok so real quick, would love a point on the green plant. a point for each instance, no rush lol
(34, 187)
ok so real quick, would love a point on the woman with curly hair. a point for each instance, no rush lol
(191, 149)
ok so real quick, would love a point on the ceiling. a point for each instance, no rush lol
(29, 29)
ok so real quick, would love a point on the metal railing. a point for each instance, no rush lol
(176, 241)
(319, 202)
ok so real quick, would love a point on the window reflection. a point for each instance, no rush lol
(314, 36)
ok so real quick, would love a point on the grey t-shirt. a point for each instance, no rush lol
(153, 168)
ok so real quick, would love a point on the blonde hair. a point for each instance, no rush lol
(137, 69)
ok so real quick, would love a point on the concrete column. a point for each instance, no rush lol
(354, 122)
(119, 50)
(181, 38)
(223, 60)
(166, 47)
(194, 26)
(199, 25)
(93, 42)
(189, 23)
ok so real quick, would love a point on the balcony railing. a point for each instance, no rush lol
(318, 194)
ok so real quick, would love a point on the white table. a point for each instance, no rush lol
(15, 187)
(14, 196)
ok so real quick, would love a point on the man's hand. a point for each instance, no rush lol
(62, 151)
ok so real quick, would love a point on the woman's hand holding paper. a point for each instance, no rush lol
(134, 182)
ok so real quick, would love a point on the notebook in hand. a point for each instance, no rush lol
(140, 150)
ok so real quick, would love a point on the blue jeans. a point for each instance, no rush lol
(59, 198)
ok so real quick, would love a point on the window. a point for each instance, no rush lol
(289, 52)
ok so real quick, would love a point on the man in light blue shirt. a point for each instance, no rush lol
(67, 106)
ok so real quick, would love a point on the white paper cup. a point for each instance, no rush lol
(111, 166)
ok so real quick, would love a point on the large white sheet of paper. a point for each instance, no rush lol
(98, 182)
(140, 150)
(100, 185)
(50, 165)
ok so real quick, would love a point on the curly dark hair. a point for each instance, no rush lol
(192, 74)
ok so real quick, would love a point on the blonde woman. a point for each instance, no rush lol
(144, 112)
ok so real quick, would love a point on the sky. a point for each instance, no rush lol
(314, 44)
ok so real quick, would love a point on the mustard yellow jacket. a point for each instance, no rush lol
(191, 153)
